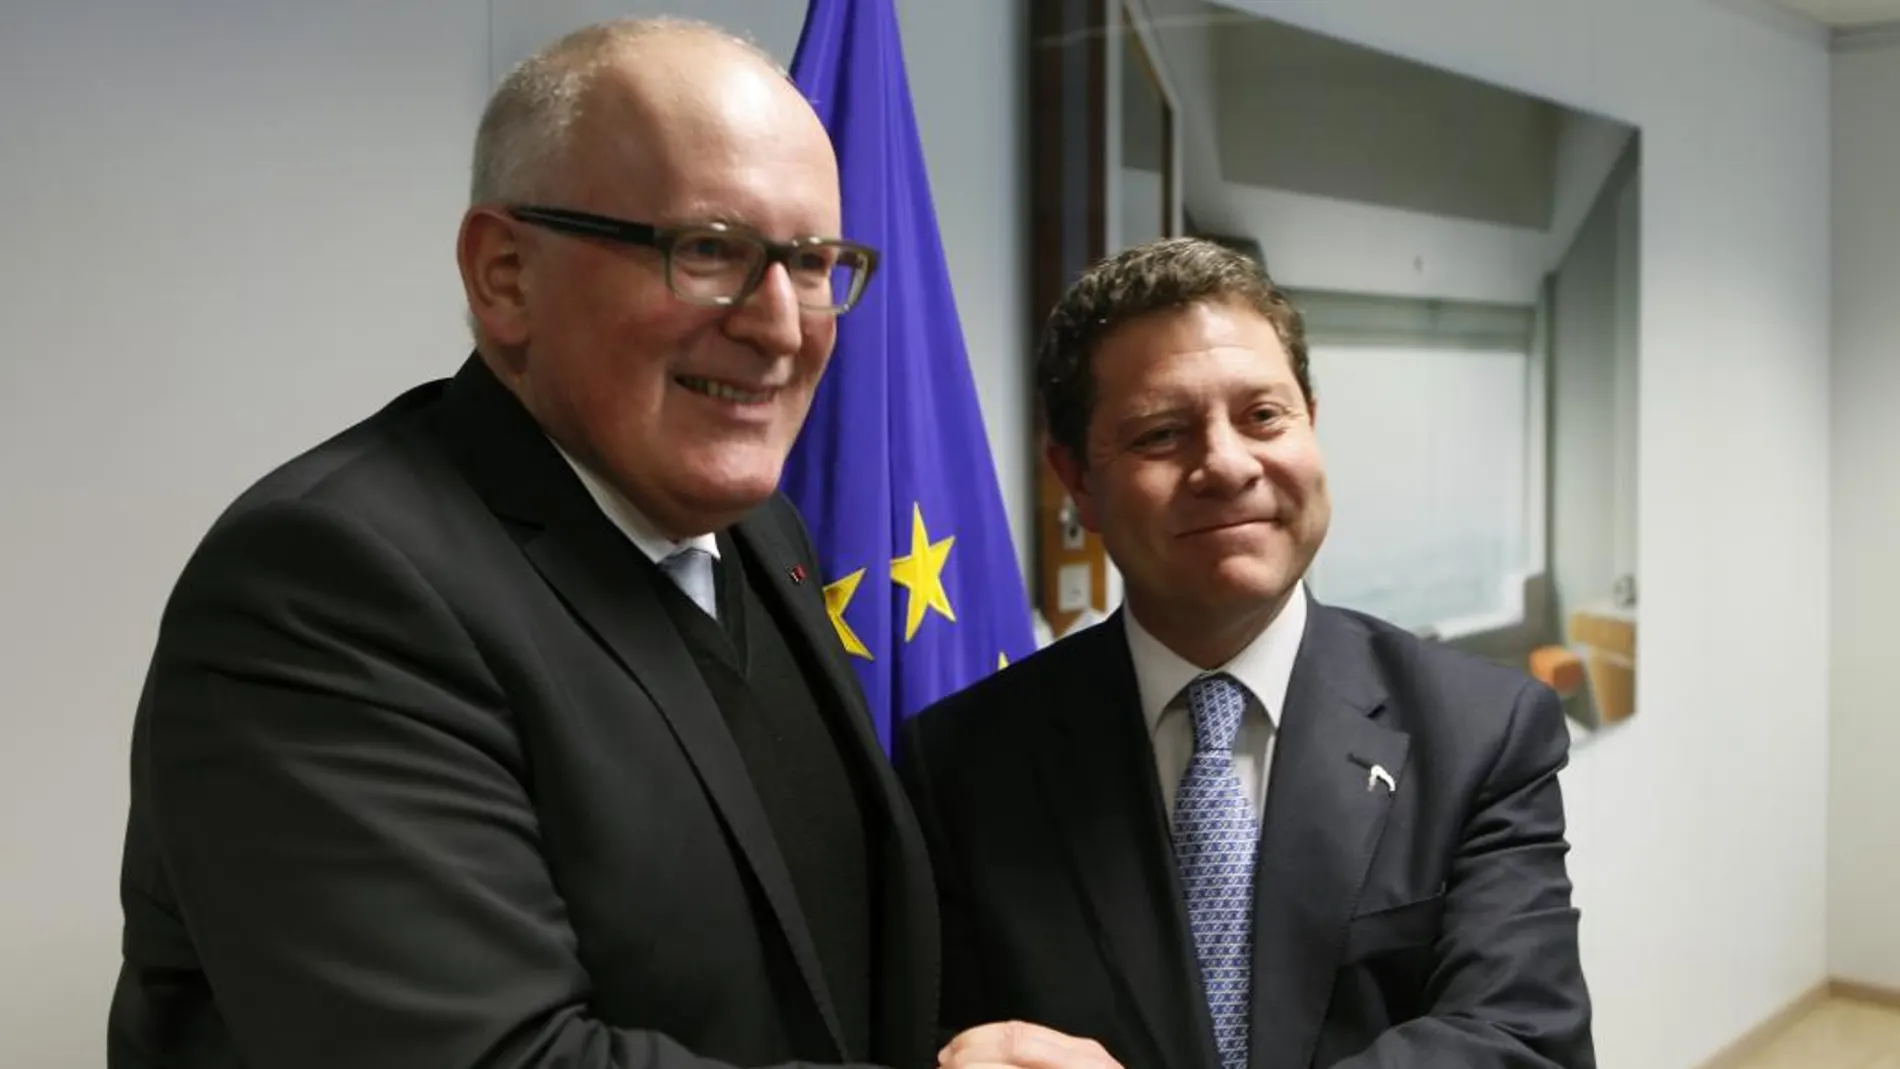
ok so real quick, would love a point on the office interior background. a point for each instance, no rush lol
(229, 232)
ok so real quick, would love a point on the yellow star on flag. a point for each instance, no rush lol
(837, 598)
(1002, 661)
(921, 573)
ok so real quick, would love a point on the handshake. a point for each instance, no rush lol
(1023, 1046)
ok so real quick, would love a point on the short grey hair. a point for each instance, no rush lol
(524, 129)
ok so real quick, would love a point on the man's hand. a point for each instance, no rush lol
(1024, 1046)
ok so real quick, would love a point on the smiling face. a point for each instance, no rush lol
(688, 410)
(1203, 475)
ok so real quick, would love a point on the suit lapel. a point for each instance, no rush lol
(812, 629)
(907, 983)
(1098, 775)
(598, 574)
(1321, 824)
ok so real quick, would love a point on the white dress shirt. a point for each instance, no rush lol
(630, 520)
(1263, 668)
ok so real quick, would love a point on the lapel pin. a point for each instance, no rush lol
(1378, 775)
(797, 572)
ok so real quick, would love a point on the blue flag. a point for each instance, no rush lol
(893, 472)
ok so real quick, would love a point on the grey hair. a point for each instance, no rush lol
(524, 129)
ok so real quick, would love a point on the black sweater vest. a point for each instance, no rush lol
(764, 687)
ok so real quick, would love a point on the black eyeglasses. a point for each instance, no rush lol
(720, 264)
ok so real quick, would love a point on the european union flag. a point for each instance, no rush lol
(893, 472)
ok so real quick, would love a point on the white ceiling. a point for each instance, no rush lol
(1845, 13)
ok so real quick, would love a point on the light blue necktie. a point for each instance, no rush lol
(691, 569)
(1216, 841)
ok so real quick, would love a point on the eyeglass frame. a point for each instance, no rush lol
(576, 223)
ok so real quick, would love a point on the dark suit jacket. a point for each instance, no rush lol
(1430, 926)
(423, 776)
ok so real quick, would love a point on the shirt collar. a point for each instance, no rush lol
(630, 520)
(1264, 666)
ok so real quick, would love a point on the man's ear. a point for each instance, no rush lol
(1073, 471)
(489, 256)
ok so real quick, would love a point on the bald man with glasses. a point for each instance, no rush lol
(507, 727)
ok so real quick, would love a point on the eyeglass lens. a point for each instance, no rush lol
(717, 266)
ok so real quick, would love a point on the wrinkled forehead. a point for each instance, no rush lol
(737, 144)
(1224, 339)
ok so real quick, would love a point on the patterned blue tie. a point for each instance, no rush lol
(1216, 840)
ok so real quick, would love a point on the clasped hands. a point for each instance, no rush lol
(1019, 1045)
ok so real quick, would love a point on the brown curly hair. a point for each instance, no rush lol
(1158, 276)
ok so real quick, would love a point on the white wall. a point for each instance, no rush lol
(1315, 114)
(1864, 845)
(229, 233)
(1592, 410)
(1178, 30)
(1594, 403)
(1322, 242)
(230, 230)
(1587, 150)
(1314, 242)
(1699, 828)
(1137, 195)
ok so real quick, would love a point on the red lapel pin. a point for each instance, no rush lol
(797, 573)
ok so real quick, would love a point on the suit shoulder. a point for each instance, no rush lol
(1003, 703)
(348, 465)
(1432, 669)
(1462, 710)
(368, 476)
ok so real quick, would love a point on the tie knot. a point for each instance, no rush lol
(690, 569)
(1216, 703)
(685, 559)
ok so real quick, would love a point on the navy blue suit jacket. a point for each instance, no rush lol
(1429, 925)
